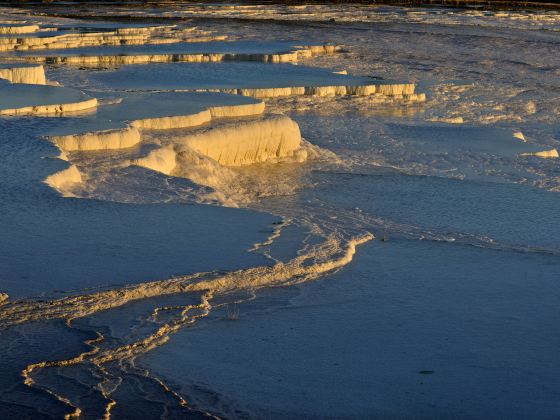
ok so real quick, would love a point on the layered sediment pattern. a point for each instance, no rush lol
(249, 142)
(68, 38)
(24, 99)
(123, 268)
(405, 90)
(118, 126)
(201, 131)
(23, 73)
(11, 28)
(270, 52)
(250, 79)
(273, 138)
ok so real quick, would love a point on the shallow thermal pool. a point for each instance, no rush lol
(233, 75)
(121, 109)
(16, 96)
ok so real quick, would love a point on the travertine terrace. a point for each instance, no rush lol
(23, 73)
(180, 105)
(40, 38)
(25, 99)
(259, 80)
(194, 52)
(120, 121)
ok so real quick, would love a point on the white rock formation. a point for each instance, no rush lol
(208, 156)
(519, 135)
(248, 142)
(64, 180)
(270, 139)
(51, 109)
(31, 74)
(405, 90)
(69, 41)
(448, 120)
(119, 36)
(162, 160)
(25, 99)
(291, 56)
(130, 134)
(202, 117)
(236, 111)
(552, 153)
(99, 140)
(18, 29)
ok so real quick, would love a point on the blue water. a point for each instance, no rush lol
(233, 75)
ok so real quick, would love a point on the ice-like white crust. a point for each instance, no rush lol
(18, 29)
(64, 180)
(386, 89)
(77, 40)
(291, 56)
(51, 109)
(248, 142)
(269, 139)
(31, 74)
(36, 99)
(100, 140)
(202, 117)
(129, 135)
(552, 153)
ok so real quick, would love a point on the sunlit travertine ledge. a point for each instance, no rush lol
(259, 80)
(63, 181)
(23, 73)
(28, 99)
(547, 154)
(10, 28)
(87, 39)
(236, 143)
(205, 132)
(119, 125)
(406, 90)
(272, 52)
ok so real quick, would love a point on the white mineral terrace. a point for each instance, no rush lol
(23, 73)
(67, 39)
(259, 80)
(26, 99)
(229, 130)
(547, 154)
(65, 179)
(267, 139)
(406, 90)
(195, 52)
(119, 125)
(18, 28)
